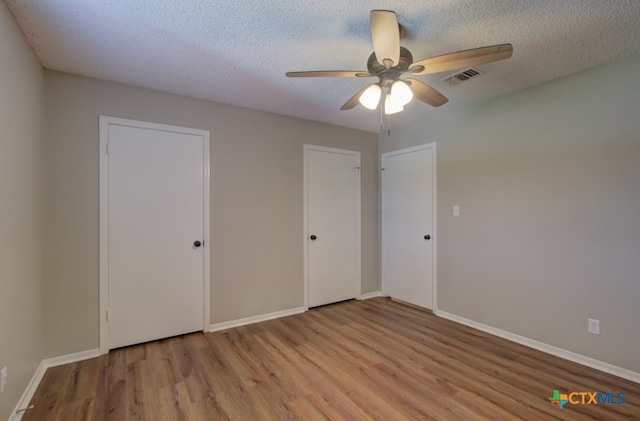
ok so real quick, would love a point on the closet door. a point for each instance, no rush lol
(332, 231)
(408, 225)
(155, 231)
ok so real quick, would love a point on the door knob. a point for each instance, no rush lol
(427, 237)
(312, 237)
(197, 244)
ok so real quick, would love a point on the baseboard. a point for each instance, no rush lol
(72, 358)
(549, 349)
(269, 316)
(370, 295)
(40, 372)
(255, 319)
(29, 392)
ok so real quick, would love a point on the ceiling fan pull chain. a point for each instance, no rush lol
(381, 116)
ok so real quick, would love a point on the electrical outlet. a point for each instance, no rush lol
(594, 326)
(3, 379)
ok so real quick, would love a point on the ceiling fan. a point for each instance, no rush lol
(389, 62)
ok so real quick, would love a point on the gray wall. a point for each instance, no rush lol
(21, 232)
(256, 202)
(548, 181)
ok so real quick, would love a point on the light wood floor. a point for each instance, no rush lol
(357, 360)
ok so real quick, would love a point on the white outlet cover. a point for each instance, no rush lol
(594, 326)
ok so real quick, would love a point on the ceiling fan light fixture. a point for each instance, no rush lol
(370, 98)
(401, 93)
(389, 62)
(391, 106)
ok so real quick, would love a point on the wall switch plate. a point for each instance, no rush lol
(3, 379)
(594, 326)
(456, 210)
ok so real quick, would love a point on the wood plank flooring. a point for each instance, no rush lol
(357, 360)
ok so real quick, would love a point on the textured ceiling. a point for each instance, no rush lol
(237, 52)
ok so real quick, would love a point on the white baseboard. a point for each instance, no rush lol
(39, 374)
(370, 295)
(29, 392)
(72, 358)
(549, 349)
(269, 316)
(255, 319)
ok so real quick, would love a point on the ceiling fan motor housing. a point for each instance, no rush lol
(388, 76)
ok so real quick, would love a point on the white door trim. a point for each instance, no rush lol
(305, 218)
(431, 146)
(105, 122)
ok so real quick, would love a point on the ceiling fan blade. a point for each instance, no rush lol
(426, 93)
(385, 33)
(460, 59)
(354, 100)
(331, 73)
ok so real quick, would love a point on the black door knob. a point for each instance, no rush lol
(313, 237)
(197, 244)
(427, 237)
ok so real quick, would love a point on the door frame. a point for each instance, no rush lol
(434, 268)
(305, 218)
(105, 122)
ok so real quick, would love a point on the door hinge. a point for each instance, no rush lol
(107, 148)
(107, 316)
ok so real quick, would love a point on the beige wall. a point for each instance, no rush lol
(548, 181)
(256, 201)
(21, 232)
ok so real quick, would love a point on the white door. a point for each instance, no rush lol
(407, 225)
(155, 232)
(332, 243)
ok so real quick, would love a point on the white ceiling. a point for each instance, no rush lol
(237, 52)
